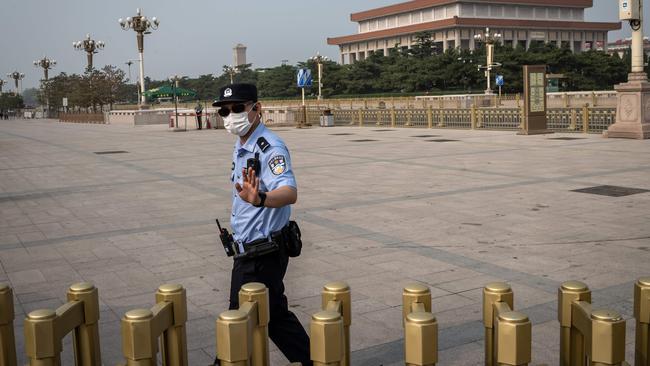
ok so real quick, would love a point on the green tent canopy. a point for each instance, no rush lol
(167, 91)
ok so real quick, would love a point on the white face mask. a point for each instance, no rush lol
(237, 123)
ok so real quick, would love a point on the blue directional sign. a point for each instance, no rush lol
(499, 80)
(304, 78)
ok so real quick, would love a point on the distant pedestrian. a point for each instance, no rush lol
(199, 114)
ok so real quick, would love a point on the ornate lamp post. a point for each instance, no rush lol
(17, 76)
(2, 83)
(90, 46)
(489, 39)
(46, 64)
(318, 59)
(232, 71)
(174, 80)
(141, 25)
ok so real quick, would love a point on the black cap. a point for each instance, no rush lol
(236, 93)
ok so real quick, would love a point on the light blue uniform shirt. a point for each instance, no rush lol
(248, 222)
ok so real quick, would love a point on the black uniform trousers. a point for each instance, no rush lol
(284, 328)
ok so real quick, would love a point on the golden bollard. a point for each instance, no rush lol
(420, 326)
(607, 338)
(336, 296)
(326, 339)
(514, 339)
(41, 344)
(493, 293)
(571, 341)
(587, 334)
(234, 346)
(642, 316)
(45, 329)
(7, 339)
(257, 293)
(141, 329)
(139, 346)
(86, 337)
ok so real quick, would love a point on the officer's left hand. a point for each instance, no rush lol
(250, 188)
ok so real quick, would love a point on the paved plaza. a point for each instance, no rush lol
(378, 208)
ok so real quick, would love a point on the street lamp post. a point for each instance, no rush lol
(141, 25)
(318, 59)
(17, 76)
(46, 64)
(490, 39)
(174, 80)
(232, 71)
(91, 47)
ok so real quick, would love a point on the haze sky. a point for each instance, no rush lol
(195, 36)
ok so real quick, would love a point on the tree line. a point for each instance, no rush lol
(421, 69)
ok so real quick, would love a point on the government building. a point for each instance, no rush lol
(453, 23)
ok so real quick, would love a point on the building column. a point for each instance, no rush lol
(572, 40)
(342, 58)
(444, 41)
(605, 41)
(457, 42)
(515, 38)
(472, 44)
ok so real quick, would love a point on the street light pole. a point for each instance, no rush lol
(319, 61)
(174, 80)
(232, 71)
(17, 76)
(91, 47)
(141, 25)
(490, 40)
(46, 64)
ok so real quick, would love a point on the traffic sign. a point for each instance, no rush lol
(305, 79)
(499, 80)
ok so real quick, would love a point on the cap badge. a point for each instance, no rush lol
(227, 93)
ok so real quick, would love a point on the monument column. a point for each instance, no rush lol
(633, 97)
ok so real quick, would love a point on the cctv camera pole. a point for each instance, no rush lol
(631, 111)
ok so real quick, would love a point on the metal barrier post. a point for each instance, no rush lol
(473, 116)
(420, 326)
(597, 336)
(441, 122)
(7, 339)
(45, 329)
(326, 339)
(360, 117)
(242, 335)
(642, 316)
(429, 117)
(393, 117)
(585, 118)
(336, 297)
(141, 329)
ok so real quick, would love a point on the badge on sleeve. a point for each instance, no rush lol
(278, 164)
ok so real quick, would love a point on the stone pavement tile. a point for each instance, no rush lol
(25, 278)
(471, 283)
(365, 333)
(459, 315)
(51, 304)
(451, 301)
(61, 273)
(8, 239)
(465, 355)
(450, 275)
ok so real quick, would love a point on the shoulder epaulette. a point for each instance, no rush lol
(263, 144)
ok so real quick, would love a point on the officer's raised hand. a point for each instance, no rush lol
(249, 190)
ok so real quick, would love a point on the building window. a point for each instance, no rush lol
(524, 12)
(496, 11)
(482, 10)
(466, 10)
(404, 19)
(540, 13)
(510, 12)
(553, 13)
(427, 15)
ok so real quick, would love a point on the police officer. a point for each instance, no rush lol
(264, 188)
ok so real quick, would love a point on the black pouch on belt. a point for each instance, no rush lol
(293, 240)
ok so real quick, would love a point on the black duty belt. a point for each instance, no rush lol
(260, 247)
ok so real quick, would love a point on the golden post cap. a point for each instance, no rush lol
(336, 286)
(606, 315)
(82, 287)
(643, 282)
(326, 316)
(41, 314)
(416, 288)
(513, 317)
(233, 315)
(253, 287)
(498, 287)
(574, 286)
(138, 314)
(421, 318)
(170, 288)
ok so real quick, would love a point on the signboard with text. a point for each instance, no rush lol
(534, 122)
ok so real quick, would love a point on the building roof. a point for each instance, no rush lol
(473, 22)
(422, 4)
